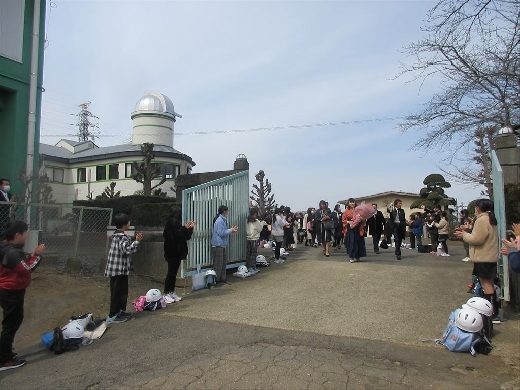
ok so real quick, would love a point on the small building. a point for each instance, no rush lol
(386, 199)
(81, 169)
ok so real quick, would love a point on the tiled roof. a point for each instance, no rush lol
(52, 152)
(387, 193)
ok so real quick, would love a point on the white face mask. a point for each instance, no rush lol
(7, 188)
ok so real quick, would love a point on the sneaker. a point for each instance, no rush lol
(466, 259)
(13, 363)
(278, 261)
(495, 320)
(398, 257)
(124, 314)
(352, 260)
(115, 319)
(169, 299)
(445, 255)
(175, 296)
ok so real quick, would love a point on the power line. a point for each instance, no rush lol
(259, 129)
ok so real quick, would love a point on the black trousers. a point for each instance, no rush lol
(11, 302)
(398, 239)
(412, 239)
(118, 294)
(171, 276)
(375, 241)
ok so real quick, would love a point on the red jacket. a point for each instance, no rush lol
(16, 267)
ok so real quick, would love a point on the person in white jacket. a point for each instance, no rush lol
(277, 226)
(253, 229)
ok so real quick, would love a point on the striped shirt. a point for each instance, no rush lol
(119, 261)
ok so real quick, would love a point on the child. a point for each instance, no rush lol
(15, 276)
(119, 265)
(253, 229)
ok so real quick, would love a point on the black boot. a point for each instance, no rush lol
(492, 299)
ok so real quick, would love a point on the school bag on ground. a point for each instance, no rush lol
(463, 333)
(485, 309)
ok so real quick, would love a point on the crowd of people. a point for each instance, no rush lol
(325, 228)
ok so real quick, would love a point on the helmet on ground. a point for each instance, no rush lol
(282, 251)
(483, 306)
(260, 259)
(469, 320)
(211, 272)
(153, 295)
(83, 320)
(242, 269)
(73, 330)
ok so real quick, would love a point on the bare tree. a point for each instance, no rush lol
(109, 192)
(146, 171)
(472, 49)
(261, 195)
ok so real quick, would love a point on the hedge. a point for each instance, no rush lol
(151, 214)
(126, 204)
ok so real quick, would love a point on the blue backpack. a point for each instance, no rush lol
(458, 340)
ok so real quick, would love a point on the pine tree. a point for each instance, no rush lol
(433, 193)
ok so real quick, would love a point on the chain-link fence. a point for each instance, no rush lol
(75, 237)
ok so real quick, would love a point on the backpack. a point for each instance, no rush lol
(60, 344)
(139, 303)
(458, 340)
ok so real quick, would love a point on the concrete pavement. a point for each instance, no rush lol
(312, 322)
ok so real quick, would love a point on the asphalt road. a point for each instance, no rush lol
(312, 322)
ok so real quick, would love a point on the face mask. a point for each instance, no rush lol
(7, 188)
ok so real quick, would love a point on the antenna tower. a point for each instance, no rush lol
(86, 128)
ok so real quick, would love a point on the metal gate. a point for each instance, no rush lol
(200, 204)
(500, 213)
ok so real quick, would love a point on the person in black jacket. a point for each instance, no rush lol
(176, 238)
(397, 225)
(376, 227)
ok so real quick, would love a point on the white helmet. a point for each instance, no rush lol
(261, 259)
(282, 251)
(469, 320)
(153, 295)
(483, 306)
(242, 270)
(211, 272)
(73, 330)
(267, 245)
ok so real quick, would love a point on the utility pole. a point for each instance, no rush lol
(86, 129)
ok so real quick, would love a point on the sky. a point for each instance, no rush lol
(317, 77)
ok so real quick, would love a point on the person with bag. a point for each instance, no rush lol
(483, 249)
(443, 231)
(219, 242)
(176, 238)
(15, 276)
(325, 226)
(338, 227)
(311, 232)
(253, 229)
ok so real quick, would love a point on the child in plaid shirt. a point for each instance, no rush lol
(119, 265)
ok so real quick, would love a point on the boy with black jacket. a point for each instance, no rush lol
(15, 276)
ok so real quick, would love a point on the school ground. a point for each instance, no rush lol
(310, 323)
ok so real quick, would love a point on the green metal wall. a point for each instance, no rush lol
(14, 102)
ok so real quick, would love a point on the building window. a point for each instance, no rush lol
(101, 173)
(168, 171)
(113, 171)
(129, 170)
(55, 174)
(82, 175)
(188, 170)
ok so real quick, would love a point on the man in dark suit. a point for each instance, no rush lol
(397, 225)
(376, 227)
(5, 196)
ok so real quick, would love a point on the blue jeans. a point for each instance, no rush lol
(418, 240)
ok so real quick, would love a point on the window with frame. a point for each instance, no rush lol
(188, 170)
(113, 171)
(101, 172)
(129, 170)
(55, 174)
(82, 175)
(168, 171)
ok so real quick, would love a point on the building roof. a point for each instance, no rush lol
(59, 154)
(380, 194)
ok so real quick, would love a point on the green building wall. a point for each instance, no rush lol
(15, 80)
